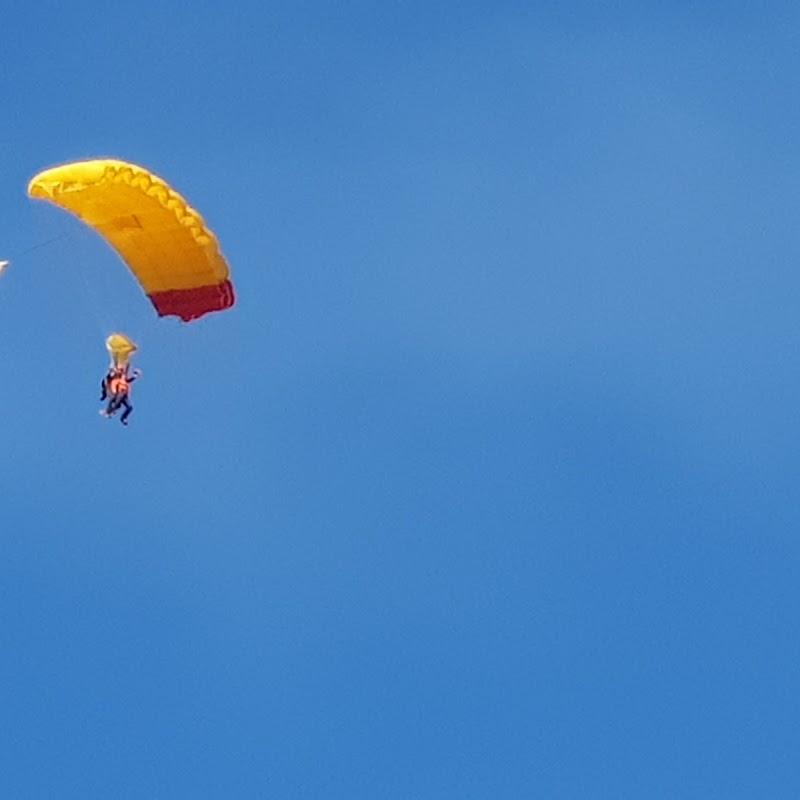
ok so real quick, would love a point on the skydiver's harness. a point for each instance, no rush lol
(119, 384)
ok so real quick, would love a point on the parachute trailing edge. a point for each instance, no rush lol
(164, 242)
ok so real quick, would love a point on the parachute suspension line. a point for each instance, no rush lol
(77, 263)
(93, 299)
(40, 245)
(94, 302)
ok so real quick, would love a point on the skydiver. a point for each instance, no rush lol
(116, 387)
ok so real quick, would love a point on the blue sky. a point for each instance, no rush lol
(487, 486)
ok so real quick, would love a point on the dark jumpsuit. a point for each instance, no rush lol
(117, 400)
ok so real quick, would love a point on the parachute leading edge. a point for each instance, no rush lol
(165, 243)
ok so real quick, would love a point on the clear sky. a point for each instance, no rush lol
(488, 485)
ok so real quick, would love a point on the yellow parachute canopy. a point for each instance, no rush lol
(120, 348)
(164, 242)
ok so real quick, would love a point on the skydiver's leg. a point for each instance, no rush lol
(127, 412)
(114, 402)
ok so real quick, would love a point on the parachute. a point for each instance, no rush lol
(164, 242)
(120, 348)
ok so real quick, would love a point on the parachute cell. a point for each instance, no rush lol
(165, 243)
